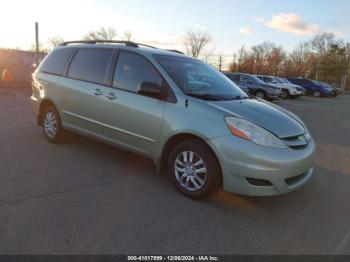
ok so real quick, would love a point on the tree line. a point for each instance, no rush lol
(324, 57)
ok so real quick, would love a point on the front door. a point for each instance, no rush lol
(131, 120)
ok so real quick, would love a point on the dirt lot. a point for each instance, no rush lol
(83, 197)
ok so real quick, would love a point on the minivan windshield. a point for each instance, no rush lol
(199, 79)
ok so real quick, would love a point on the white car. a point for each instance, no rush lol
(288, 89)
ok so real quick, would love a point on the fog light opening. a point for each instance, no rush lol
(258, 182)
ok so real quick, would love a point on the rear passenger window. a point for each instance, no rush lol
(90, 65)
(56, 61)
(132, 69)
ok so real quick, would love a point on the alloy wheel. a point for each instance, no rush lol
(260, 94)
(50, 124)
(190, 171)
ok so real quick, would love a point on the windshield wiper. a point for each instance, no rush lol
(239, 97)
(206, 96)
(211, 97)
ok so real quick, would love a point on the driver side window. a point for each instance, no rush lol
(132, 70)
(246, 79)
(268, 79)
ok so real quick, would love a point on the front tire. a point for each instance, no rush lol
(260, 94)
(194, 169)
(285, 94)
(52, 125)
(316, 94)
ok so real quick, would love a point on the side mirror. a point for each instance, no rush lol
(151, 89)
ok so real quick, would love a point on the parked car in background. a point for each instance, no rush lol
(255, 86)
(289, 90)
(335, 90)
(180, 112)
(299, 88)
(312, 87)
(233, 78)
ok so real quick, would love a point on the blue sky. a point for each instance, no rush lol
(231, 23)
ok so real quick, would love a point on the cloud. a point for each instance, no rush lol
(292, 23)
(259, 19)
(339, 33)
(245, 30)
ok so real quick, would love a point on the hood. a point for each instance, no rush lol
(298, 87)
(262, 114)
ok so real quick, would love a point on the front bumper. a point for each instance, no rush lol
(275, 94)
(284, 170)
(296, 93)
(327, 93)
(36, 107)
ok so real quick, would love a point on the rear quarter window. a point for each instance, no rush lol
(56, 62)
(90, 65)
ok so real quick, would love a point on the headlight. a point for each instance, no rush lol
(251, 132)
(307, 135)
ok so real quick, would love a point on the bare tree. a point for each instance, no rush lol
(55, 41)
(101, 34)
(275, 60)
(207, 54)
(196, 41)
(240, 57)
(128, 35)
(300, 59)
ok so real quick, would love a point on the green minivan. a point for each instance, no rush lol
(182, 113)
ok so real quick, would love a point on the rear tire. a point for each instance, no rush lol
(51, 125)
(194, 169)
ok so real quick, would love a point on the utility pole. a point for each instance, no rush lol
(220, 62)
(36, 43)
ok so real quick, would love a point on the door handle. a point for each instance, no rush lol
(111, 96)
(97, 92)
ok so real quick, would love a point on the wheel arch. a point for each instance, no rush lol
(44, 103)
(168, 145)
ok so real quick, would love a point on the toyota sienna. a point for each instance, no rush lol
(180, 112)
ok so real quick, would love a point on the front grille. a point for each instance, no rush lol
(295, 142)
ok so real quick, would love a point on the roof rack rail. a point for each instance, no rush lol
(175, 51)
(146, 45)
(127, 43)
